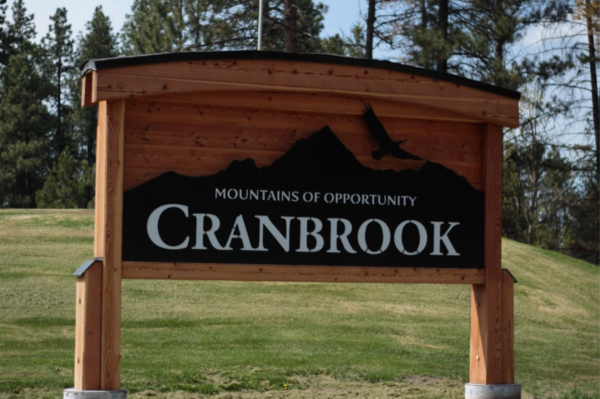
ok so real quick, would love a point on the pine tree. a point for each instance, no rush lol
(26, 122)
(150, 28)
(349, 46)
(494, 28)
(290, 25)
(58, 46)
(371, 18)
(156, 26)
(3, 35)
(98, 41)
(66, 184)
(21, 32)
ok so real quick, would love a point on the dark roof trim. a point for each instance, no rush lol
(512, 275)
(118, 62)
(86, 265)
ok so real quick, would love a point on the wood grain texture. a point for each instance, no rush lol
(86, 89)
(508, 328)
(311, 103)
(199, 140)
(303, 77)
(325, 274)
(486, 311)
(88, 321)
(112, 249)
(100, 200)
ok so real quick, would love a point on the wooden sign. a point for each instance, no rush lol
(315, 205)
(261, 166)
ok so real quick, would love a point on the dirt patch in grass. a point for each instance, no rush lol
(329, 387)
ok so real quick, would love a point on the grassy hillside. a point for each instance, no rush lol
(182, 339)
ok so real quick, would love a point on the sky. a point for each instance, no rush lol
(341, 16)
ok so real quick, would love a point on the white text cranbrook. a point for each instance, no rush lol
(337, 240)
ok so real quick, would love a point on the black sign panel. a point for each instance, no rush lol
(316, 205)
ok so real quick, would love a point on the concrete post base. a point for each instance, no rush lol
(73, 393)
(503, 391)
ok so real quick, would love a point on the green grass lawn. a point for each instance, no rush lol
(189, 338)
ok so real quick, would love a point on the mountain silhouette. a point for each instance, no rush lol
(317, 164)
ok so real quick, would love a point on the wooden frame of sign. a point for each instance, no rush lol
(195, 113)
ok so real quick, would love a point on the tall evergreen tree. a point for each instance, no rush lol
(66, 184)
(98, 41)
(183, 25)
(3, 35)
(26, 121)
(290, 22)
(70, 183)
(21, 31)
(371, 18)
(59, 52)
(152, 27)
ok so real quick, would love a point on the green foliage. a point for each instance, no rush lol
(66, 184)
(145, 29)
(20, 33)
(539, 180)
(59, 52)
(3, 35)
(24, 131)
(585, 227)
(156, 26)
(98, 41)
(349, 46)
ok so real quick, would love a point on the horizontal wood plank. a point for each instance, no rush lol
(259, 75)
(325, 274)
(343, 104)
(181, 113)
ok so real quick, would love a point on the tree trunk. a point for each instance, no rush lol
(59, 134)
(594, 79)
(290, 21)
(370, 30)
(442, 64)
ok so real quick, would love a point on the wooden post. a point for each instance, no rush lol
(508, 328)
(486, 299)
(109, 197)
(88, 317)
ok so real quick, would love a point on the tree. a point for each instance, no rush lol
(20, 33)
(66, 184)
(25, 118)
(585, 228)
(442, 59)
(3, 35)
(349, 46)
(370, 29)
(591, 13)
(290, 22)
(493, 28)
(146, 29)
(195, 25)
(58, 46)
(98, 41)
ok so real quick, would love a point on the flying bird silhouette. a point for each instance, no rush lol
(387, 146)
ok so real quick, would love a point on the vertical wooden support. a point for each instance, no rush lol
(88, 316)
(508, 328)
(486, 311)
(100, 201)
(111, 133)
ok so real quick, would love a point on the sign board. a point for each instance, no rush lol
(315, 205)
(261, 166)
